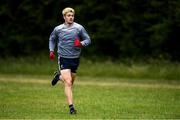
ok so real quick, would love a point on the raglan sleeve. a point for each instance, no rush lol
(52, 40)
(85, 37)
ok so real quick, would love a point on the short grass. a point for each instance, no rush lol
(32, 97)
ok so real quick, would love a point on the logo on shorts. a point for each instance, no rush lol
(62, 66)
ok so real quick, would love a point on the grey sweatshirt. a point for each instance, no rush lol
(64, 37)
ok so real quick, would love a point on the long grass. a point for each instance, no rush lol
(161, 69)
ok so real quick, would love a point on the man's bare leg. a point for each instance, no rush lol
(68, 83)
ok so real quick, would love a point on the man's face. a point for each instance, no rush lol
(69, 18)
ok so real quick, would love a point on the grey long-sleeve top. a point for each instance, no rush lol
(64, 37)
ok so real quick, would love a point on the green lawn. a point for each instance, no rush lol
(32, 97)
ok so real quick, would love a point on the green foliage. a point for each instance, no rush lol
(118, 28)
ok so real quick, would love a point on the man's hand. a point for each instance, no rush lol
(52, 55)
(77, 42)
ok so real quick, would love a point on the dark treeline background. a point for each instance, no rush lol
(118, 28)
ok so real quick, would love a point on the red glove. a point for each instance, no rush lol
(77, 42)
(52, 55)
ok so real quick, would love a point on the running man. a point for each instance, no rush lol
(69, 37)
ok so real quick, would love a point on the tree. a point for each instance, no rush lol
(118, 28)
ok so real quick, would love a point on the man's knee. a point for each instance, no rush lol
(68, 82)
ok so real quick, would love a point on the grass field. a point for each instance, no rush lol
(32, 97)
(103, 90)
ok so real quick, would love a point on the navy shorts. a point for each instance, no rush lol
(68, 63)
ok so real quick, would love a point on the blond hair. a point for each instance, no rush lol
(66, 10)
